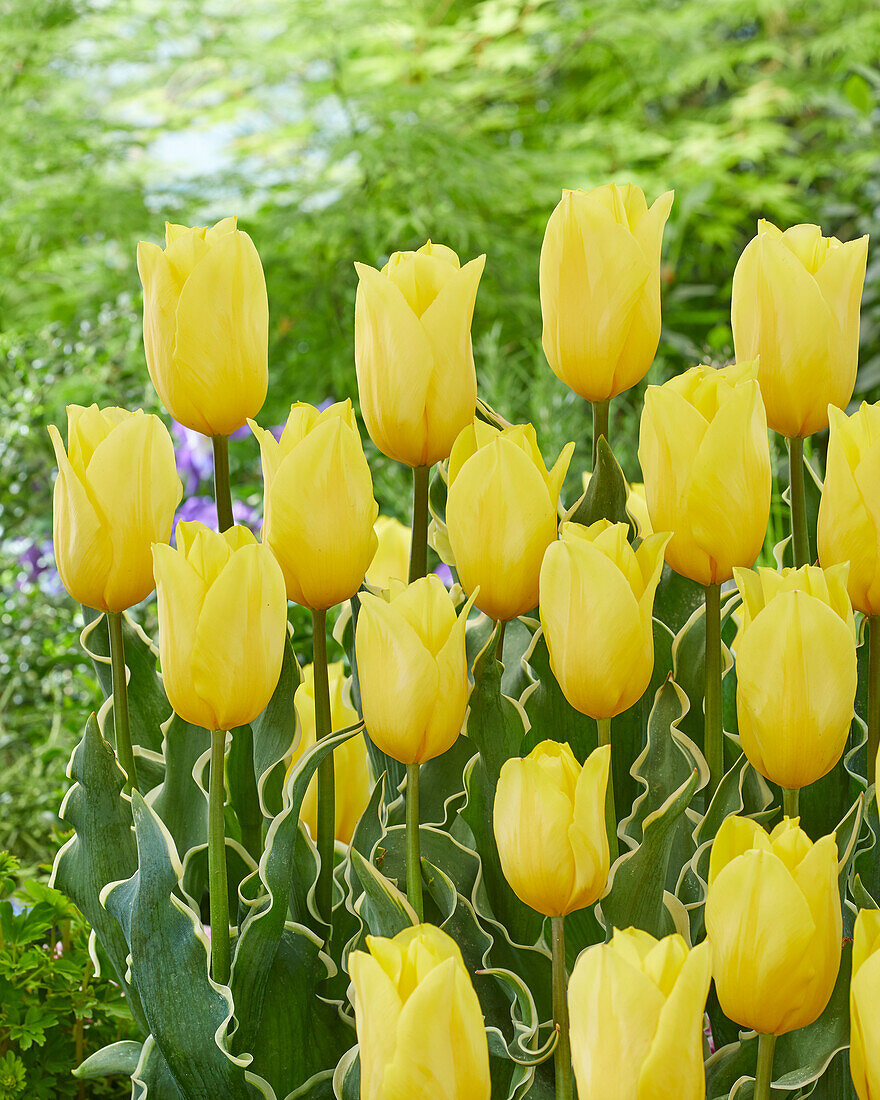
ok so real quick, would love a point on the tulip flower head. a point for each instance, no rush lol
(222, 625)
(795, 304)
(419, 1024)
(597, 600)
(413, 353)
(115, 495)
(501, 514)
(206, 325)
(864, 1004)
(319, 507)
(636, 1007)
(549, 822)
(705, 456)
(600, 288)
(391, 560)
(774, 922)
(796, 671)
(849, 511)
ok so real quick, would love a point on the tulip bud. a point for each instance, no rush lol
(501, 514)
(773, 919)
(600, 288)
(849, 511)
(795, 671)
(705, 456)
(412, 669)
(115, 495)
(319, 509)
(636, 1007)
(206, 325)
(391, 560)
(351, 770)
(419, 1024)
(864, 1006)
(796, 299)
(597, 602)
(413, 354)
(222, 625)
(549, 822)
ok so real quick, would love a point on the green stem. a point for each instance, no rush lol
(873, 696)
(562, 1053)
(121, 725)
(217, 888)
(413, 854)
(418, 554)
(790, 800)
(800, 540)
(713, 742)
(326, 839)
(499, 649)
(766, 1045)
(604, 725)
(222, 492)
(600, 425)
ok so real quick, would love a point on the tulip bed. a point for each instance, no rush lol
(596, 819)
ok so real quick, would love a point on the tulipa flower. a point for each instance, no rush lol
(115, 495)
(600, 288)
(391, 560)
(419, 1024)
(206, 325)
(319, 507)
(774, 922)
(597, 599)
(636, 1007)
(796, 671)
(849, 511)
(705, 457)
(413, 353)
(412, 669)
(796, 299)
(222, 625)
(549, 822)
(501, 514)
(864, 1005)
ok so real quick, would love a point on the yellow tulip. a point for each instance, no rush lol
(796, 298)
(501, 514)
(795, 670)
(412, 669)
(206, 325)
(413, 354)
(222, 624)
(319, 509)
(549, 822)
(636, 1007)
(419, 1024)
(597, 601)
(115, 495)
(864, 1004)
(849, 511)
(351, 768)
(391, 560)
(705, 456)
(600, 288)
(773, 919)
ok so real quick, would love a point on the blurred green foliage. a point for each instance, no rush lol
(346, 129)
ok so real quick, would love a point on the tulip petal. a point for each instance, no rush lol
(735, 836)
(379, 1004)
(588, 835)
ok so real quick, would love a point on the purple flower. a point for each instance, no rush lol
(444, 573)
(37, 561)
(195, 458)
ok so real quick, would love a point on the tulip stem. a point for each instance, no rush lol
(604, 725)
(713, 739)
(600, 425)
(413, 849)
(766, 1046)
(121, 724)
(790, 800)
(418, 553)
(873, 696)
(800, 540)
(326, 775)
(499, 649)
(217, 887)
(562, 1053)
(222, 492)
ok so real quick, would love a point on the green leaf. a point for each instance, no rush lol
(179, 801)
(274, 733)
(121, 1057)
(384, 908)
(151, 1078)
(605, 497)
